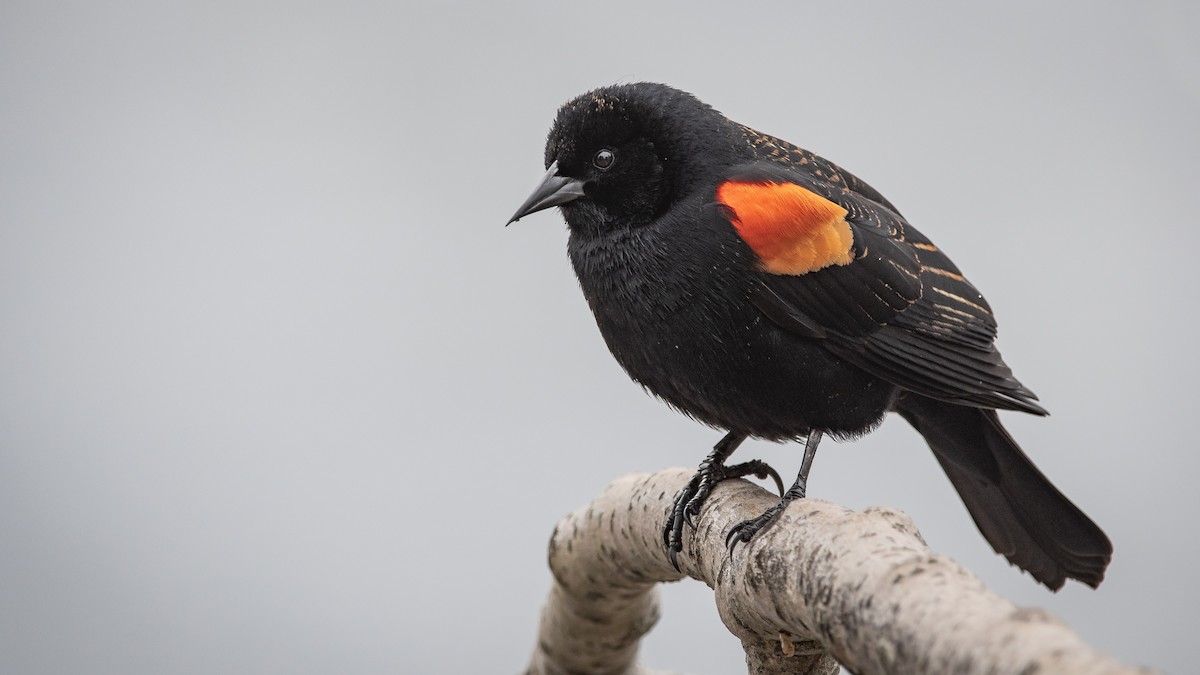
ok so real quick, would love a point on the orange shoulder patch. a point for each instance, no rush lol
(793, 230)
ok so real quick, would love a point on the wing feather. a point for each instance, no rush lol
(900, 309)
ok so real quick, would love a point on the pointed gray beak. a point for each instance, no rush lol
(552, 191)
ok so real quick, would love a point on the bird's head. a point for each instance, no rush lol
(616, 157)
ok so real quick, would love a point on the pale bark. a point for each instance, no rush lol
(822, 583)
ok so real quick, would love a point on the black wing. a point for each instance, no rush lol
(900, 309)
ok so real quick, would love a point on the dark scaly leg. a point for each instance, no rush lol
(712, 471)
(745, 530)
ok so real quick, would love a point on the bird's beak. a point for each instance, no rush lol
(552, 191)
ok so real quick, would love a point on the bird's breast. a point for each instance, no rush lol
(675, 313)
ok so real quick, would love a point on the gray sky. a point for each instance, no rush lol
(279, 393)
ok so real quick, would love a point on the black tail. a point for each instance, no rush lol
(1023, 516)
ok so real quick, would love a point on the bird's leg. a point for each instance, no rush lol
(698, 488)
(712, 471)
(745, 530)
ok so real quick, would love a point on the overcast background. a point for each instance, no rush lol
(280, 394)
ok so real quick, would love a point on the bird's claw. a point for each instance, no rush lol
(673, 556)
(761, 470)
(744, 531)
(693, 495)
(734, 537)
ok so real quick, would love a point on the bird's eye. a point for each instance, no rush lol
(604, 159)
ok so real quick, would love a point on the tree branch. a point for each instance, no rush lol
(822, 583)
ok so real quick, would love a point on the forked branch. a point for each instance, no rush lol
(823, 585)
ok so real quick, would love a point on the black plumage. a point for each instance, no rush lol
(814, 310)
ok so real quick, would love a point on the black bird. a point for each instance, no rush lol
(763, 290)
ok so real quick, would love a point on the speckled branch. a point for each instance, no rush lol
(823, 583)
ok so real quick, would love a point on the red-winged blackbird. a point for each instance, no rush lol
(764, 290)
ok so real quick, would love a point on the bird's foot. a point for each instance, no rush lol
(744, 531)
(692, 497)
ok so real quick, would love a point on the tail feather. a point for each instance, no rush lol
(1021, 514)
